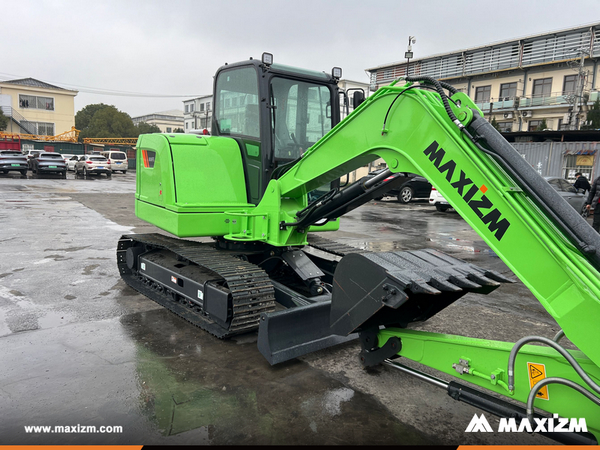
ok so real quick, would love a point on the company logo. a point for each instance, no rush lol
(554, 424)
(480, 204)
(479, 424)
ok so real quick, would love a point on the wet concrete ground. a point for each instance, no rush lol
(77, 346)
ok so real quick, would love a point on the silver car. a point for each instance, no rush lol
(49, 162)
(92, 164)
(568, 192)
(13, 160)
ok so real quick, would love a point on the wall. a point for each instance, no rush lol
(548, 158)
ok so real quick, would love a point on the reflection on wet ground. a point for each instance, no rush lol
(189, 380)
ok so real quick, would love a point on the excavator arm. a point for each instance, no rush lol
(541, 238)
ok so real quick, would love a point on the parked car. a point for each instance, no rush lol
(413, 187)
(563, 187)
(116, 160)
(48, 162)
(13, 160)
(71, 162)
(436, 199)
(67, 156)
(568, 192)
(30, 154)
(92, 164)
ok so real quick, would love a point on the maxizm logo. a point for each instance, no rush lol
(468, 190)
(554, 424)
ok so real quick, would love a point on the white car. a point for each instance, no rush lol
(71, 162)
(67, 156)
(436, 199)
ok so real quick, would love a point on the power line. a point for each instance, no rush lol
(101, 91)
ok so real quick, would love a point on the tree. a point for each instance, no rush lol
(3, 121)
(494, 123)
(147, 128)
(542, 126)
(593, 117)
(104, 121)
(178, 130)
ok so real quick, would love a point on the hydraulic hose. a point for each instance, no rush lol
(555, 380)
(440, 90)
(558, 336)
(521, 342)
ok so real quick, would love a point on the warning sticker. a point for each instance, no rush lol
(537, 372)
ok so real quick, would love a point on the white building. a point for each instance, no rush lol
(167, 121)
(198, 113)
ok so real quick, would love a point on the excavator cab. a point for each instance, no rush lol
(275, 113)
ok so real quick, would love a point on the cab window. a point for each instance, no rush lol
(302, 116)
(237, 107)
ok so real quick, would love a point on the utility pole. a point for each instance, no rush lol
(574, 123)
(409, 54)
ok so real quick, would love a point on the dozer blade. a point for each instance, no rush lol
(399, 288)
(288, 334)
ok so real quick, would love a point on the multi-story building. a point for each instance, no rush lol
(198, 113)
(35, 107)
(547, 81)
(167, 121)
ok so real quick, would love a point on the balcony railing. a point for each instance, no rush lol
(552, 99)
(504, 103)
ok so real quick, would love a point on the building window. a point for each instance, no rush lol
(482, 94)
(187, 108)
(44, 129)
(578, 163)
(569, 84)
(208, 106)
(186, 125)
(505, 127)
(33, 102)
(508, 91)
(201, 107)
(168, 129)
(542, 87)
(533, 125)
(192, 107)
(562, 125)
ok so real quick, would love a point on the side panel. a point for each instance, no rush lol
(208, 172)
(185, 183)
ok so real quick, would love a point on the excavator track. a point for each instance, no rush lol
(251, 290)
(332, 247)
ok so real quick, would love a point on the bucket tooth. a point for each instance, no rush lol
(482, 279)
(463, 282)
(443, 285)
(497, 276)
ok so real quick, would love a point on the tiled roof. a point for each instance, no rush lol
(32, 82)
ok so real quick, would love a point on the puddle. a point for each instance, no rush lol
(227, 393)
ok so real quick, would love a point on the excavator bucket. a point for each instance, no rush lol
(372, 289)
(399, 288)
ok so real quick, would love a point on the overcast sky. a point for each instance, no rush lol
(174, 47)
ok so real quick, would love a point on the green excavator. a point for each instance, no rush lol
(269, 176)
